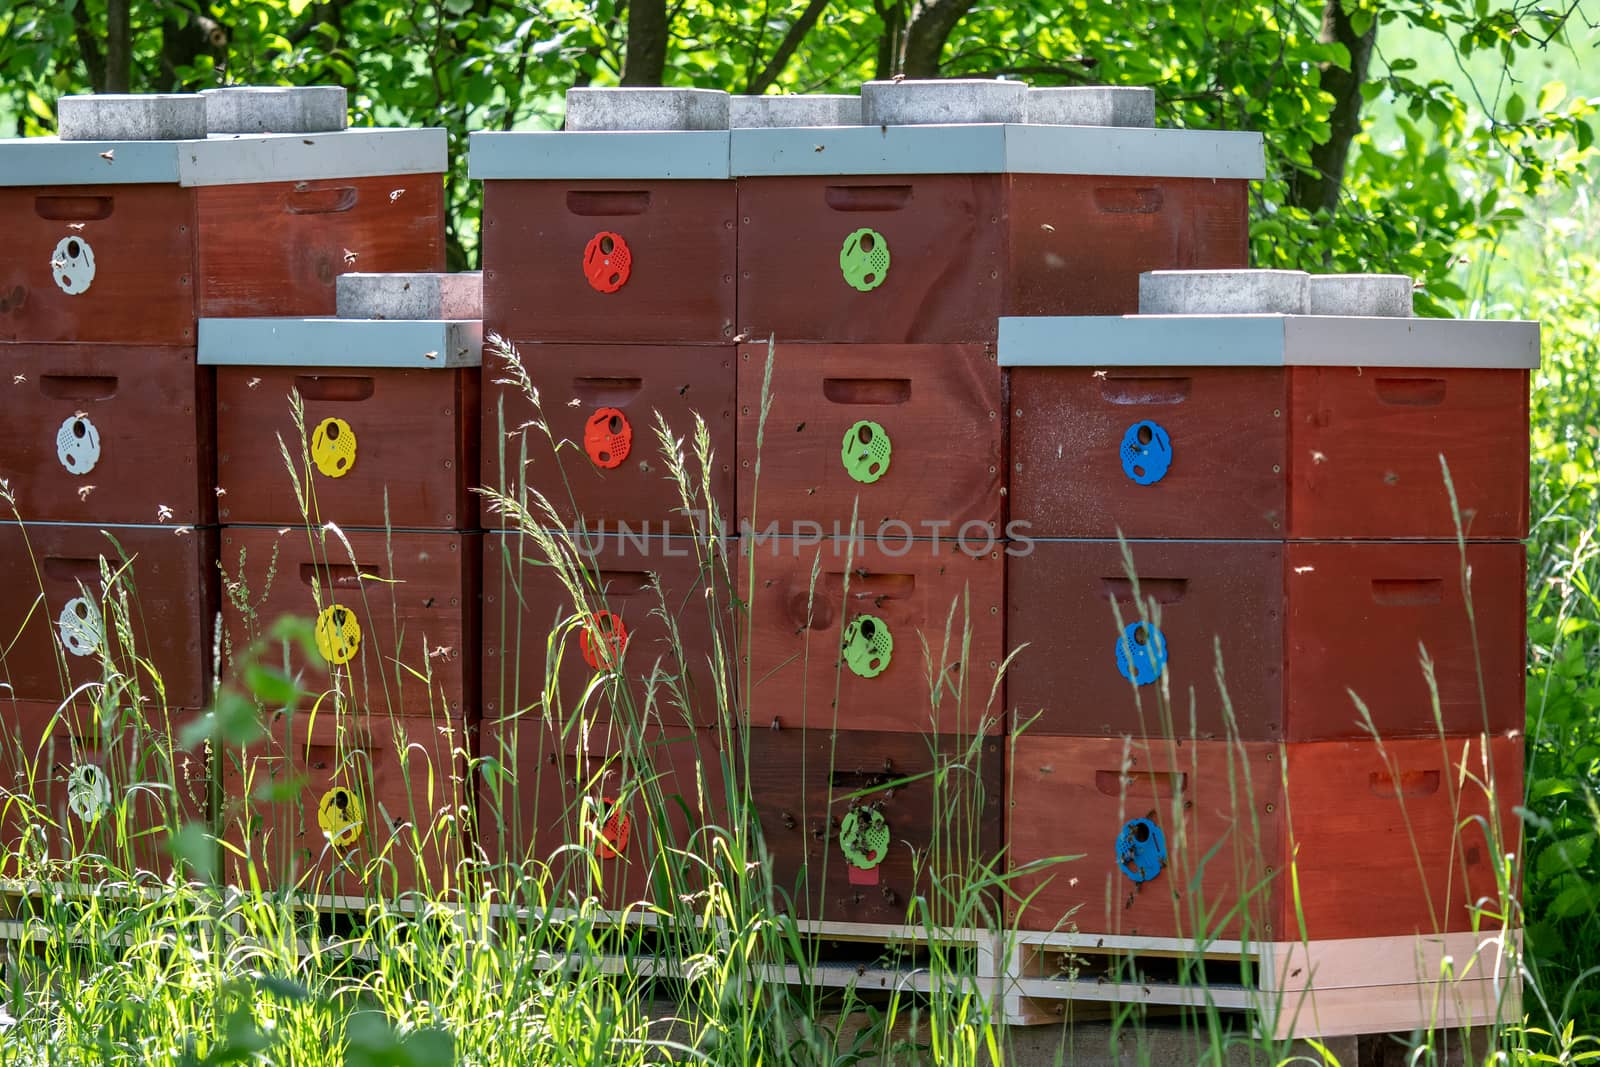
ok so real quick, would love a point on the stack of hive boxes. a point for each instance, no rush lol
(1267, 685)
(880, 255)
(878, 259)
(609, 264)
(147, 213)
(363, 521)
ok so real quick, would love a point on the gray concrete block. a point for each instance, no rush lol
(1222, 292)
(646, 109)
(132, 117)
(811, 109)
(276, 109)
(936, 101)
(410, 296)
(1093, 105)
(1377, 295)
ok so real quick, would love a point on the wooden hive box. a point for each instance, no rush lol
(129, 241)
(907, 438)
(1197, 839)
(928, 233)
(890, 635)
(598, 814)
(1268, 426)
(108, 433)
(615, 234)
(860, 823)
(346, 804)
(395, 615)
(602, 461)
(107, 795)
(1297, 628)
(664, 603)
(64, 623)
(389, 436)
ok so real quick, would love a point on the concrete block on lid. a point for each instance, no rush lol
(815, 109)
(132, 117)
(632, 109)
(276, 109)
(1093, 105)
(1222, 292)
(939, 102)
(410, 296)
(1369, 295)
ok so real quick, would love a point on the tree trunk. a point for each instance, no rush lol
(647, 43)
(186, 37)
(931, 24)
(786, 48)
(119, 47)
(1320, 189)
(94, 60)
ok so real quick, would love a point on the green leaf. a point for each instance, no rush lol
(1571, 854)
(370, 1041)
(194, 846)
(1516, 108)
(1573, 900)
(1551, 96)
(280, 790)
(236, 718)
(284, 988)
(271, 685)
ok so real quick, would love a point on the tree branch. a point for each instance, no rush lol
(1319, 188)
(786, 48)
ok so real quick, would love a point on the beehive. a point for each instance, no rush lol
(1269, 508)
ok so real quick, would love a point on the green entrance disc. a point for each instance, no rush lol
(864, 259)
(865, 451)
(864, 838)
(867, 646)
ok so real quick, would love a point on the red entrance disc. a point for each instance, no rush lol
(613, 639)
(607, 261)
(607, 438)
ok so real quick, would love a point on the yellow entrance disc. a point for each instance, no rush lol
(333, 447)
(338, 634)
(340, 815)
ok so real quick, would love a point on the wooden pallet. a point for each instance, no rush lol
(1289, 989)
(891, 959)
(1292, 989)
(863, 957)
